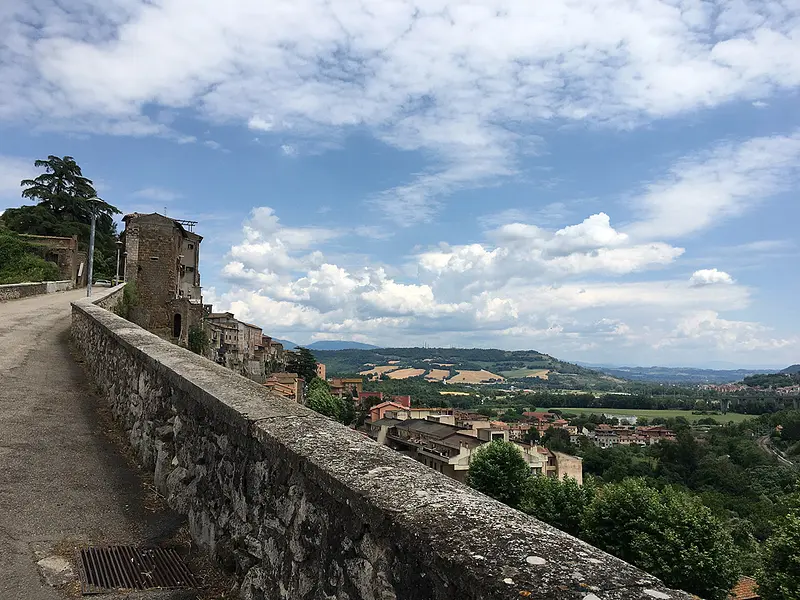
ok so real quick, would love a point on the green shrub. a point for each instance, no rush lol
(19, 262)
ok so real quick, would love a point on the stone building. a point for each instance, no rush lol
(162, 257)
(63, 251)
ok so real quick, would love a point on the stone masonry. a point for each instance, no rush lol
(302, 507)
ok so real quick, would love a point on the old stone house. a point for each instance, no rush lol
(162, 257)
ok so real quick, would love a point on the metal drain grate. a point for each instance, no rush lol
(126, 567)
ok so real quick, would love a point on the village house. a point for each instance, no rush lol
(162, 259)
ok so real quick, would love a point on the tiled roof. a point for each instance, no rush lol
(745, 589)
(431, 428)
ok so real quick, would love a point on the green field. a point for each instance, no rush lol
(735, 417)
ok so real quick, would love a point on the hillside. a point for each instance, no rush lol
(340, 345)
(680, 375)
(791, 370)
(462, 365)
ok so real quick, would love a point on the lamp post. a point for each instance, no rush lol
(91, 202)
(116, 277)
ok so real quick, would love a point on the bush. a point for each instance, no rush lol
(130, 300)
(19, 262)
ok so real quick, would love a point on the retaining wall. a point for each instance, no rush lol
(12, 291)
(303, 507)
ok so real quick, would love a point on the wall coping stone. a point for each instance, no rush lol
(476, 546)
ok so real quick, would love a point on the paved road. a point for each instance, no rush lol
(62, 478)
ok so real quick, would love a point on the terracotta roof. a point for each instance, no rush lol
(745, 589)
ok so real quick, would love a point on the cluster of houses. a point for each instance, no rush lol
(607, 436)
(445, 439)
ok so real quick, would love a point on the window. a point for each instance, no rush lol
(191, 246)
(190, 269)
(176, 326)
(153, 258)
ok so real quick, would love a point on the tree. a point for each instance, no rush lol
(668, 533)
(558, 440)
(498, 470)
(561, 503)
(780, 578)
(320, 399)
(63, 209)
(531, 436)
(302, 362)
(198, 339)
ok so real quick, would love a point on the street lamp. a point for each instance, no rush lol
(116, 277)
(92, 202)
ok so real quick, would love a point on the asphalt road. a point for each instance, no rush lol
(63, 480)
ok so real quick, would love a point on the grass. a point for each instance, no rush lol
(649, 413)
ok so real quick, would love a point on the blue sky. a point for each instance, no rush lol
(604, 181)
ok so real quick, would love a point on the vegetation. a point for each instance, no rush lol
(772, 380)
(780, 577)
(321, 400)
(20, 262)
(129, 301)
(498, 470)
(560, 503)
(198, 339)
(302, 362)
(668, 533)
(63, 208)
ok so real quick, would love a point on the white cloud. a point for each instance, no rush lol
(465, 84)
(702, 190)
(710, 277)
(536, 288)
(158, 194)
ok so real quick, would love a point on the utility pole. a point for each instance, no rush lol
(116, 277)
(91, 202)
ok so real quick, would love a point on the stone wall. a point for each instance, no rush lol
(12, 291)
(302, 507)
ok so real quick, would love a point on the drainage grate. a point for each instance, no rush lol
(126, 567)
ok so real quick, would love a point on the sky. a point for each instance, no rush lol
(605, 181)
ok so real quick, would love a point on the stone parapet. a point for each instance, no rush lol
(13, 291)
(303, 507)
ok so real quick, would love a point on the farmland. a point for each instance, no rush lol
(520, 373)
(649, 413)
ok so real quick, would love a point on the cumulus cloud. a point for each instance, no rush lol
(442, 78)
(564, 290)
(710, 277)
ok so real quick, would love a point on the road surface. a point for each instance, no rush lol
(63, 481)
(765, 444)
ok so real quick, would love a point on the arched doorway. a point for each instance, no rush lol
(176, 326)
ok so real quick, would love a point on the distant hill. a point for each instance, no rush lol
(522, 367)
(792, 370)
(681, 375)
(286, 344)
(340, 345)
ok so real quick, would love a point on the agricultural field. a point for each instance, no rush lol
(520, 373)
(474, 377)
(437, 374)
(378, 371)
(649, 413)
(405, 373)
